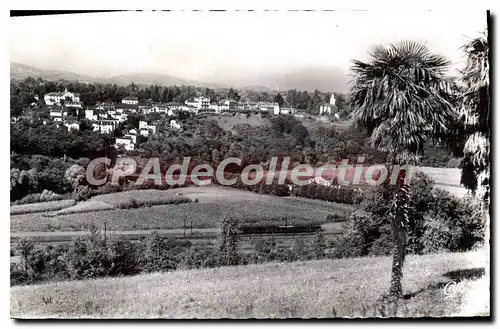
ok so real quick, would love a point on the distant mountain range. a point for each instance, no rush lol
(324, 79)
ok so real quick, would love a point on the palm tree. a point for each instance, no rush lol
(401, 98)
(475, 119)
(475, 113)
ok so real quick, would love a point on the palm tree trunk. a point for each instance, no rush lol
(399, 226)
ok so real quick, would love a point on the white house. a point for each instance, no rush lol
(132, 136)
(108, 125)
(175, 106)
(58, 115)
(131, 100)
(228, 104)
(300, 114)
(89, 114)
(215, 108)
(199, 102)
(126, 107)
(321, 181)
(55, 98)
(268, 107)
(145, 128)
(175, 125)
(126, 142)
(72, 125)
(77, 105)
(285, 110)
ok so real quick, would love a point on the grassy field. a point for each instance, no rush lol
(214, 203)
(315, 289)
(227, 122)
(447, 179)
(41, 207)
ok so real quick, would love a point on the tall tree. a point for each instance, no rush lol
(475, 115)
(279, 99)
(475, 111)
(401, 98)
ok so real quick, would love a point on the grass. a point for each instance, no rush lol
(314, 289)
(447, 179)
(227, 122)
(213, 204)
(40, 207)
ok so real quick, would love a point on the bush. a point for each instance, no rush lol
(351, 244)
(335, 218)
(18, 275)
(267, 250)
(197, 257)
(45, 196)
(227, 241)
(125, 256)
(129, 203)
(108, 188)
(437, 235)
(438, 222)
(88, 258)
(299, 250)
(318, 246)
(161, 255)
(82, 193)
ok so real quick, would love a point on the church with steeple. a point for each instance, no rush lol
(328, 108)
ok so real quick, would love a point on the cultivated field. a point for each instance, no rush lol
(322, 289)
(41, 207)
(214, 203)
(447, 179)
(227, 122)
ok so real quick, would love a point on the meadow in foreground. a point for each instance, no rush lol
(314, 289)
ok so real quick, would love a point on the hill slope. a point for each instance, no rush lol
(302, 289)
(21, 71)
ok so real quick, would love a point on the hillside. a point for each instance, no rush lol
(302, 289)
(21, 71)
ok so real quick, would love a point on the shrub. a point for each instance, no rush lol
(18, 275)
(266, 249)
(299, 250)
(318, 246)
(129, 203)
(87, 257)
(25, 248)
(437, 235)
(160, 255)
(438, 221)
(227, 241)
(48, 263)
(124, 255)
(351, 244)
(197, 257)
(45, 196)
(109, 188)
(384, 244)
(82, 193)
(335, 218)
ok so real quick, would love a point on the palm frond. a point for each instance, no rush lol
(402, 96)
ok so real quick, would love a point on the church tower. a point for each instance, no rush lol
(332, 100)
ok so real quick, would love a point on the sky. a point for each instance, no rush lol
(214, 46)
